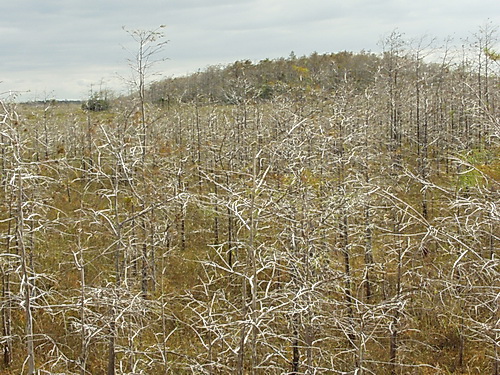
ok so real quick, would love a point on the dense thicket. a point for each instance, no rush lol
(267, 78)
(332, 214)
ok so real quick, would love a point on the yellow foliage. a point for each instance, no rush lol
(491, 170)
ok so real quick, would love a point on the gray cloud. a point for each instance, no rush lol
(63, 47)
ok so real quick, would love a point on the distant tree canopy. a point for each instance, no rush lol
(267, 78)
(97, 103)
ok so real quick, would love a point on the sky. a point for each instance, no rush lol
(63, 49)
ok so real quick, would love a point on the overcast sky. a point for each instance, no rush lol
(59, 48)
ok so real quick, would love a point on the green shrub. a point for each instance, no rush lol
(96, 104)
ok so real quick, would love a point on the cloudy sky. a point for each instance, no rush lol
(62, 48)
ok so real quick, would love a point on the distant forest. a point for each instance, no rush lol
(324, 214)
(268, 78)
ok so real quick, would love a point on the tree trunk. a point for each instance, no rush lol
(6, 319)
(111, 347)
(25, 276)
(295, 346)
(6, 298)
(394, 327)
